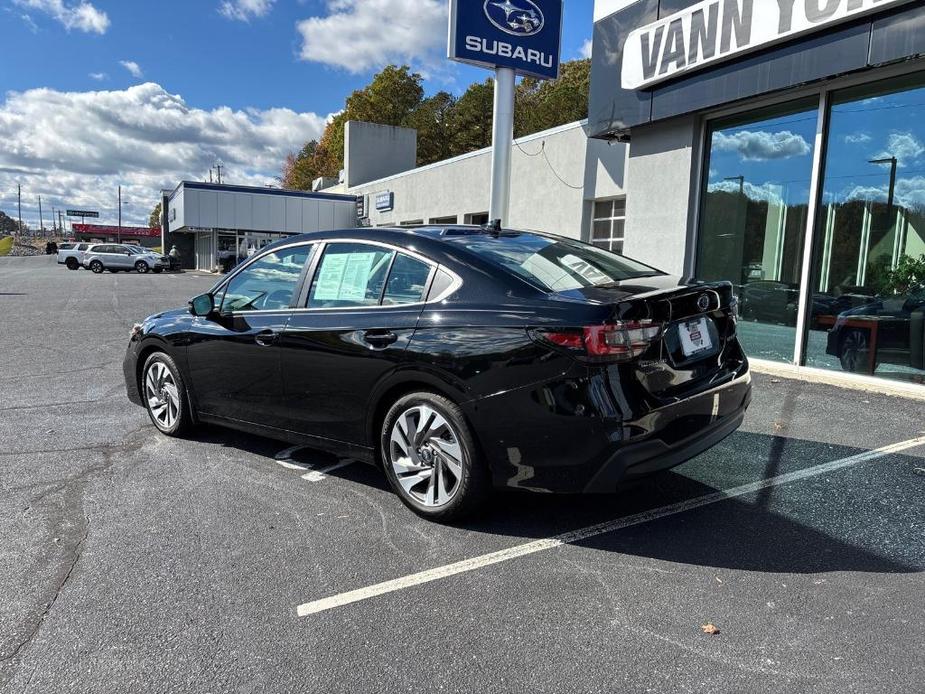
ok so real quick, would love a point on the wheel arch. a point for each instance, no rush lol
(158, 344)
(387, 392)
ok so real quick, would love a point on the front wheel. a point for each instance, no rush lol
(431, 459)
(97, 267)
(72, 264)
(142, 267)
(165, 396)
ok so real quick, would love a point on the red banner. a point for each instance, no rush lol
(105, 230)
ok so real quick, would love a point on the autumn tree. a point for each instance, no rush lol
(154, 220)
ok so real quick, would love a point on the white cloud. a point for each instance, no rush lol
(858, 138)
(767, 192)
(82, 16)
(906, 147)
(909, 193)
(245, 10)
(585, 50)
(762, 145)
(99, 76)
(133, 67)
(361, 35)
(30, 23)
(142, 138)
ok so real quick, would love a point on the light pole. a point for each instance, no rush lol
(119, 233)
(893, 164)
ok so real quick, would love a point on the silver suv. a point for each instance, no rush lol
(118, 257)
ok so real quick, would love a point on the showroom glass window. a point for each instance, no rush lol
(868, 275)
(753, 219)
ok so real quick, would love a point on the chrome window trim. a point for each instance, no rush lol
(455, 285)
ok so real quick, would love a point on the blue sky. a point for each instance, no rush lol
(98, 93)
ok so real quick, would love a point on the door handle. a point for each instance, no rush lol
(380, 338)
(266, 338)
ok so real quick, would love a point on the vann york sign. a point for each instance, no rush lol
(716, 30)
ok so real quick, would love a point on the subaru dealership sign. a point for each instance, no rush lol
(715, 30)
(523, 35)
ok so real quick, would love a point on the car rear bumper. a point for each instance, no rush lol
(579, 436)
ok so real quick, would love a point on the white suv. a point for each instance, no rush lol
(118, 257)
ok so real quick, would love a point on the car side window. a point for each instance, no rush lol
(267, 284)
(350, 275)
(407, 282)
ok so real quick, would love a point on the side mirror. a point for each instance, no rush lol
(202, 305)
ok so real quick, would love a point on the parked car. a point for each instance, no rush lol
(120, 257)
(71, 255)
(893, 329)
(457, 358)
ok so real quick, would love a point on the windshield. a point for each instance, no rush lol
(557, 265)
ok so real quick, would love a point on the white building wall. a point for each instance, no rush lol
(259, 212)
(555, 176)
(660, 180)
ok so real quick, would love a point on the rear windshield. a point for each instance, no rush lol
(557, 265)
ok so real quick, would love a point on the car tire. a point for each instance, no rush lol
(96, 267)
(854, 354)
(164, 394)
(427, 433)
(141, 267)
(72, 264)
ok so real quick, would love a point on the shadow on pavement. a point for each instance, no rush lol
(815, 525)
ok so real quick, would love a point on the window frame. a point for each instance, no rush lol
(611, 219)
(300, 296)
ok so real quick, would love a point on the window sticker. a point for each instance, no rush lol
(330, 277)
(584, 269)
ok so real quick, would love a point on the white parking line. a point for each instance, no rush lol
(291, 466)
(319, 475)
(594, 530)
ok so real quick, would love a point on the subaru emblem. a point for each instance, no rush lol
(516, 17)
(703, 302)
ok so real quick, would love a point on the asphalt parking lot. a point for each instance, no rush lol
(223, 563)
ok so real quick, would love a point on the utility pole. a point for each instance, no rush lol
(41, 220)
(61, 223)
(19, 203)
(119, 234)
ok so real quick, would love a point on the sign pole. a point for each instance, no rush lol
(502, 141)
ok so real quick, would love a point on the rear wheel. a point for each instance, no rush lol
(165, 396)
(142, 267)
(855, 352)
(97, 267)
(431, 459)
(72, 264)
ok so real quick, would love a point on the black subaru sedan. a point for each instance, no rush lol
(457, 358)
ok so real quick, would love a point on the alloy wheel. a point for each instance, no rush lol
(96, 266)
(426, 456)
(162, 395)
(141, 266)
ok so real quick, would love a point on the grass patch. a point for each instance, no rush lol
(6, 245)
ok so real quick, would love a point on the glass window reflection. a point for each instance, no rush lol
(868, 275)
(753, 219)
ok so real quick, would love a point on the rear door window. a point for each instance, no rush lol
(407, 282)
(350, 275)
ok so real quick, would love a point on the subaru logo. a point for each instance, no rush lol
(517, 17)
(703, 302)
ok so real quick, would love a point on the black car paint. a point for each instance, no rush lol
(543, 420)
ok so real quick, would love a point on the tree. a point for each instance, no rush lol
(446, 126)
(434, 121)
(7, 224)
(472, 118)
(541, 105)
(154, 221)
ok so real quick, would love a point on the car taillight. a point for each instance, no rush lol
(623, 340)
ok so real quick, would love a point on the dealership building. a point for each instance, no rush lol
(779, 145)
